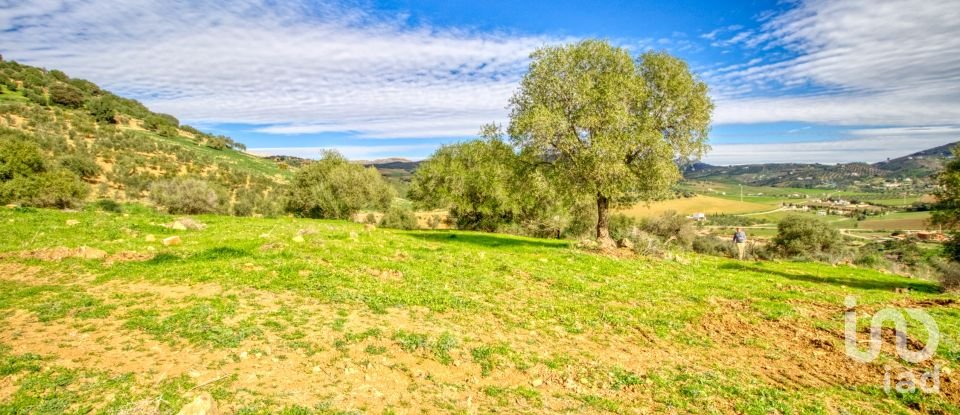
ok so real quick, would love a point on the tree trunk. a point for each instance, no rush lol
(603, 221)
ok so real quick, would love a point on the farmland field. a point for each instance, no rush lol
(898, 221)
(304, 316)
(706, 204)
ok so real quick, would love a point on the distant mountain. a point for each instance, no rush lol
(915, 170)
(397, 168)
(921, 163)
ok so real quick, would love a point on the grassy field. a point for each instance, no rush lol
(706, 204)
(302, 316)
(898, 221)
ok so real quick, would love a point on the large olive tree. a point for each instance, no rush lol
(607, 125)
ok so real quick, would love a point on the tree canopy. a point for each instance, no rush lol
(333, 187)
(600, 123)
(947, 211)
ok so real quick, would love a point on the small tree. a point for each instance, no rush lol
(608, 126)
(805, 236)
(472, 179)
(66, 95)
(18, 156)
(103, 109)
(947, 208)
(333, 187)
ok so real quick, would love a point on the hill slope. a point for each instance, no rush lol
(388, 321)
(128, 146)
(918, 167)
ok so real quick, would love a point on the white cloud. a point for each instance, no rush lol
(871, 62)
(872, 149)
(294, 66)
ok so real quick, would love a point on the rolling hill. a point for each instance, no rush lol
(913, 170)
(122, 146)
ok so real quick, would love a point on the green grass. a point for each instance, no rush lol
(434, 309)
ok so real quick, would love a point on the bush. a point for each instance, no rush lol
(672, 227)
(187, 196)
(805, 236)
(103, 109)
(57, 189)
(711, 245)
(399, 217)
(84, 167)
(66, 95)
(952, 247)
(19, 157)
(108, 205)
(949, 274)
(623, 226)
(335, 188)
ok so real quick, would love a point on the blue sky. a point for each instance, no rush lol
(799, 81)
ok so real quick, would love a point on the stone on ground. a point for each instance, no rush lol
(202, 405)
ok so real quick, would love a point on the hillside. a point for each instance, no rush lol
(918, 168)
(326, 317)
(121, 145)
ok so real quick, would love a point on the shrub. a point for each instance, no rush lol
(18, 157)
(805, 236)
(711, 245)
(36, 97)
(399, 216)
(333, 187)
(108, 205)
(187, 196)
(84, 167)
(66, 95)
(952, 247)
(623, 226)
(949, 274)
(103, 109)
(56, 189)
(671, 227)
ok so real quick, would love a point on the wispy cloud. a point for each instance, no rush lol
(294, 66)
(870, 149)
(855, 62)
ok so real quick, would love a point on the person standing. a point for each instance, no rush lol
(740, 238)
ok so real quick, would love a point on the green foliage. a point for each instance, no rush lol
(185, 196)
(333, 187)
(803, 236)
(18, 156)
(56, 188)
(399, 216)
(25, 178)
(474, 180)
(671, 227)
(947, 211)
(103, 109)
(486, 187)
(108, 205)
(606, 126)
(83, 166)
(66, 95)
